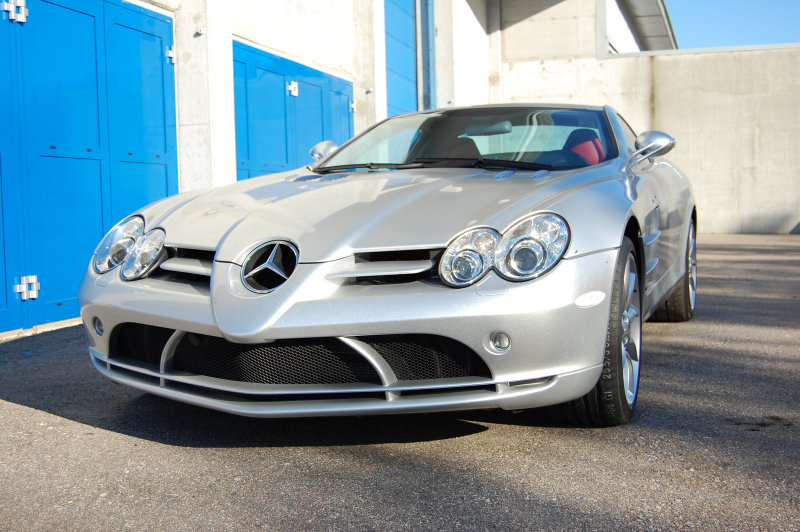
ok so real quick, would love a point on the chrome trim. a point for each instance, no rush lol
(169, 350)
(375, 269)
(167, 374)
(555, 390)
(183, 265)
(268, 265)
(383, 368)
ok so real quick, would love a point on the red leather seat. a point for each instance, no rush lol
(585, 143)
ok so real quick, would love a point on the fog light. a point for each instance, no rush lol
(98, 326)
(501, 341)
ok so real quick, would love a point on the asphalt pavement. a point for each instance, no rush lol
(714, 445)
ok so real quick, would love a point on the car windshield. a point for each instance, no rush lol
(554, 138)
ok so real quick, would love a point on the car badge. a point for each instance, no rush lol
(269, 265)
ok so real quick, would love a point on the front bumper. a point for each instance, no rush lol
(555, 356)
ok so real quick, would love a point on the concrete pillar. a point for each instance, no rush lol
(369, 88)
(444, 53)
(206, 124)
(494, 29)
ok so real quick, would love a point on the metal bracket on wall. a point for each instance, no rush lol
(28, 287)
(293, 88)
(171, 54)
(16, 10)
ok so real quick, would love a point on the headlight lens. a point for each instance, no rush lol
(527, 250)
(116, 245)
(143, 255)
(468, 257)
(532, 247)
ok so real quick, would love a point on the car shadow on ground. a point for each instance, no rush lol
(52, 372)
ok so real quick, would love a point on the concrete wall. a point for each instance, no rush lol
(536, 30)
(735, 114)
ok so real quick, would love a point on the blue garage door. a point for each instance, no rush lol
(401, 56)
(282, 109)
(96, 140)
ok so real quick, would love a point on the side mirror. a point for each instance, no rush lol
(323, 149)
(652, 144)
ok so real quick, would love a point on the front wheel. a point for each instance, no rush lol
(613, 399)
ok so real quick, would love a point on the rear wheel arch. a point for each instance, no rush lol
(634, 232)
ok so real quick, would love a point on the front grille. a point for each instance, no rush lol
(141, 342)
(307, 361)
(426, 356)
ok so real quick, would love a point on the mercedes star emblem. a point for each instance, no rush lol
(269, 265)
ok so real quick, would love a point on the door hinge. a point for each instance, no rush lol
(16, 9)
(293, 88)
(28, 287)
(353, 106)
(171, 54)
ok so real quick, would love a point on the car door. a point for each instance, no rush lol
(664, 192)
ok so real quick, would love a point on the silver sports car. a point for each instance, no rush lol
(498, 256)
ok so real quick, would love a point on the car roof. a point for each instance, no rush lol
(515, 105)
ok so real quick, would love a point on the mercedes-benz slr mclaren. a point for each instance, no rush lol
(466, 258)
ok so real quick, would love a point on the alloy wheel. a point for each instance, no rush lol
(631, 321)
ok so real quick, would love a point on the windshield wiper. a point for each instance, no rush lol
(371, 166)
(482, 163)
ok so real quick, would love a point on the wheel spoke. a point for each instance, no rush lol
(631, 322)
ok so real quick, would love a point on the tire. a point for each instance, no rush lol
(680, 305)
(613, 399)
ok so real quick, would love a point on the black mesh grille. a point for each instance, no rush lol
(307, 361)
(426, 356)
(142, 342)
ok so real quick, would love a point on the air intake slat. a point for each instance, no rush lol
(375, 269)
(192, 266)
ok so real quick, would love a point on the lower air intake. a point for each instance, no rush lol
(307, 361)
(141, 342)
(426, 356)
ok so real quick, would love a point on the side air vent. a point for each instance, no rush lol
(184, 264)
(426, 356)
(398, 255)
(306, 361)
(391, 267)
(144, 343)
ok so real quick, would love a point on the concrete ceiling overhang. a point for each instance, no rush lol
(650, 23)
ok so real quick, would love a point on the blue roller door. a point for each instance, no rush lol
(401, 56)
(282, 109)
(11, 306)
(96, 121)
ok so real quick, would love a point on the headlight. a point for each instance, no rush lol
(468, 257)
(525, 251)
(143, 255)
(116, 245)
(532, 247)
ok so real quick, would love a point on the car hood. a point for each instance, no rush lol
(332, 216)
